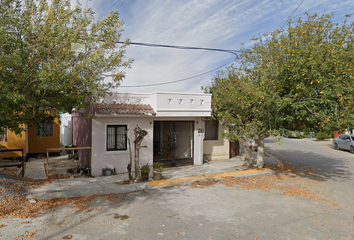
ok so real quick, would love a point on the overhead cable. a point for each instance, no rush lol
(182, 47)
(292, 14)
(180, 80)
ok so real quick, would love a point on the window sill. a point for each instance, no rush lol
(123, 152)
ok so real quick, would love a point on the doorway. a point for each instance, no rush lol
(234, 149)
(174, 143)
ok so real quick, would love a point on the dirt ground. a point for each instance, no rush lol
(57, 168)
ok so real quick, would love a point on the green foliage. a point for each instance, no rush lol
(53, 57)
(246, 112)
(323, 135)
(158, 166)
(145, 168)
(308, 70)
(75, 156)
(298, 78)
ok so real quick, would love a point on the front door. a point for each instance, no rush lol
(173, 142)
(234, 149)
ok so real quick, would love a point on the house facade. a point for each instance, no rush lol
(10, 140)
(33, 141)
(174, 123)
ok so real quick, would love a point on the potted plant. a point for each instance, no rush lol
(144, 171)
(157, 170)
(169, 149)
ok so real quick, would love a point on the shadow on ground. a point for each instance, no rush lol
(320, 167)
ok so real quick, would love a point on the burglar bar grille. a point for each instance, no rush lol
(116, 137)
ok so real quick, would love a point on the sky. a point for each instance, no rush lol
(224, 24)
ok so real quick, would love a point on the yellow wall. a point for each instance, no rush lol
(14, 142)
(216, 149)
(40, 145)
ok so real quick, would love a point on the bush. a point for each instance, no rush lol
(158, 166)
(323, 135)
(145, 168)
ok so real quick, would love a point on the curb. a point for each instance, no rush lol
(279, 162)
(210, 175)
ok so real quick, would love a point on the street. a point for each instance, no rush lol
(315, 202)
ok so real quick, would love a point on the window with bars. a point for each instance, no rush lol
(211, 130)
(3, 136)
(44, 130)
(116, 138)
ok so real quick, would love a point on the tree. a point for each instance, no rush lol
(246, 112)
(53, 57)
(299, 78)
(308, 69)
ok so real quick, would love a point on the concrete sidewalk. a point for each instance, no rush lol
(84, 186)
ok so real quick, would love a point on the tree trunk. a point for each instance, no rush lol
(129, 167)
(139, 136)
(260, 152)
(136, 160)
(248, 157)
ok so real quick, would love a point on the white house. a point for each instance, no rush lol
(174, 122)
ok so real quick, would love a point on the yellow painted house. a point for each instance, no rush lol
(12, 141)
(33, 142)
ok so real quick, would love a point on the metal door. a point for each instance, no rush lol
(173, 142)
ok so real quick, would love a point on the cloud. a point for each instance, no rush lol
(202, 23)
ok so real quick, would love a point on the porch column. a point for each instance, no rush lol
(199, 130)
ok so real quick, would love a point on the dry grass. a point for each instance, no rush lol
(291, 184)
(19, 207)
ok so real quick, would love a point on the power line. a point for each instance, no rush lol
(292, 14)
(182, 47)
(180, 80)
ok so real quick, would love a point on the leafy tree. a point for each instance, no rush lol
(299, 79)
(308, 68)
(53, 57)
(246, 112)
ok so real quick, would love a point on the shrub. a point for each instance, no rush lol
(145, 168)
(322, 136)
(158, 166)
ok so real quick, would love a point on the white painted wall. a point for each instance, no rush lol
(186, 110)
(192, 104)
(119, 159)
(66, 132)
(183, 104)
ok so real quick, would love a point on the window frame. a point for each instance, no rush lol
(106, 138)
(207, 122)
(44, 128)
(5, 134)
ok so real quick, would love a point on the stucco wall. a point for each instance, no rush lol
(14, 142)
(217, 149)
(191, 104)
(119, 159)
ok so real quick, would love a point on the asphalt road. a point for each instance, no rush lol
(217, 212)
(314, 154)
